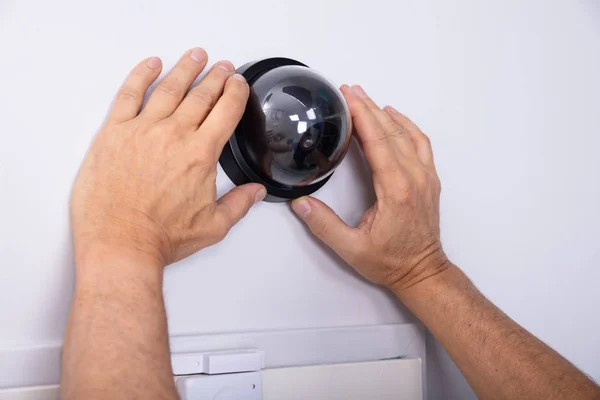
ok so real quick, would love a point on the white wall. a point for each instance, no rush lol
(516, 139)
(508, 91)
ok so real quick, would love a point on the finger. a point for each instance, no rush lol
(200, 100)
(325, 224)
(224, 117)
(375, 143)
(168, 94)
(236, 203)
(397, 133)
(420, 140)
(131, 94)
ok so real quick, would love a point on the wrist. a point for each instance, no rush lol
(429, 265)
(89, 253)
(132, 237)
(98, 264)
(445, 276)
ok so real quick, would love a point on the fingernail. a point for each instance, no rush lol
(239, 77)
(226, 66)
(260, 195)
(301, 207)
(392, 109)
(153, 63)
(358, 91)
(344, 87)
(198, 55)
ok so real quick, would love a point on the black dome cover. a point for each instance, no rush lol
(295, 130)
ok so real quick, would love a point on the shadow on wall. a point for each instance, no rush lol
(444, 379)
(592, 11)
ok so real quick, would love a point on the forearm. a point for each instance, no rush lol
(499, 358)
(116, 345)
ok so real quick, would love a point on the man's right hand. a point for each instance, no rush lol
(397, 242)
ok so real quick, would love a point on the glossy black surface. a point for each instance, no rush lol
(296, 127)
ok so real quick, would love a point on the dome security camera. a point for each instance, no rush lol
(295, 131)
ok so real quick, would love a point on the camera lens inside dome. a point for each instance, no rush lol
(296, 128)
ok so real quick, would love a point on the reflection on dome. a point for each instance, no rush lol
(297, 127)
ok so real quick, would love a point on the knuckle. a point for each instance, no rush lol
(206, 156)
(423, 178)
(204, 163)
(320, 227)
(405, 191)
(238, 84)
(426, 139)
(396, 131)
(216, 231)
(130, 93)
(358, 109)
(402, 190)
(221, 231)
(357, 249)
(172, 127)
(170, 88)
(384, 136)
(422, 140)
(236, 106)
(380, 137)
(203, 96)
(139, 74)
(230, 107)
(237, 92)
(201, 152)
(248, 203)
(437, 184)
(428, 180)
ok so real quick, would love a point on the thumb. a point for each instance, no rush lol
(236, 203)
(325, 224)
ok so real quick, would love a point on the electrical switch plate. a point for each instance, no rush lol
(218, 362)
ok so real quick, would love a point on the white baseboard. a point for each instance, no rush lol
(41, 365)
(49, 392)
(382, 380)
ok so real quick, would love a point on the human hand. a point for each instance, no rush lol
(147, 185)
(397, 242)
